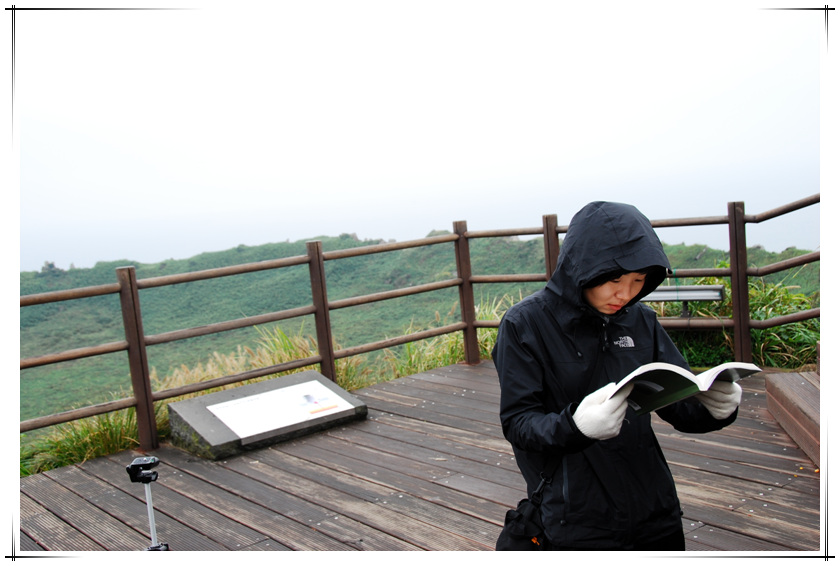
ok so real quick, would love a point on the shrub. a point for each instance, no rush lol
(790, 346)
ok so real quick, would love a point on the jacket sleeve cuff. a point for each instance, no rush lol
(575, 440)
(692, 417)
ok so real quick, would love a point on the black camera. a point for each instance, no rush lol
(140, 470)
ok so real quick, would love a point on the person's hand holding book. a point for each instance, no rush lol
(600, 416)
(722, 398)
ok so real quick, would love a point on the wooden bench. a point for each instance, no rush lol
(793, 399)
(685, 293)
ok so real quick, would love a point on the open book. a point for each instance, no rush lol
(659, 384)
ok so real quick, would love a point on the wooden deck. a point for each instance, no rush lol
(428, 470)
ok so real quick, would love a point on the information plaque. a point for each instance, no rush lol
(227, 422)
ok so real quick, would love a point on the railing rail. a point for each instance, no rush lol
(136, 341)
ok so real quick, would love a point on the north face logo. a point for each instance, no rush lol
(625, 342)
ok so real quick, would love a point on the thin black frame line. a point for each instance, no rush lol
(13, 556)
(14, 9)
(13, 76)
(825, 9)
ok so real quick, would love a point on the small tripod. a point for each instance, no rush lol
(140, 471)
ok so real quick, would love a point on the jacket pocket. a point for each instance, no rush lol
(582, 495)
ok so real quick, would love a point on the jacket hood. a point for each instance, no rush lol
(606, 237)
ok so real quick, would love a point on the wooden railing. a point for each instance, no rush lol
(128, 288)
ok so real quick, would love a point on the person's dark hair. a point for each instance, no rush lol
(611, 275)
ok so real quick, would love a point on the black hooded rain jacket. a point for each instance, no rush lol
(553, 349)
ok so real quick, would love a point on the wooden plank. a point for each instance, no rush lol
(481, 378)
(715, 470)
(694, 546)
(131, 509)
(798, 393)
(416, 435)
(485, 370)
(442, 433)
(449, 506)
(106, 531)
(754, 490)
(700, 537)
(747, 452)
(466, 393)
(477, 394)
(363, 501)
(731, 440)
(440, 413)
(196, 517)
(712, 538)
(404, 400)
(47, 531)
(288, 519)
(507, 497)
(493, 466)
(470, 402)
(752, 526)
(794, 402)
(478, 534)
(730, 500)
(421, 479)
(762, 431)
(811, 376)
(268, 546)
(428, 469)
(27, 544)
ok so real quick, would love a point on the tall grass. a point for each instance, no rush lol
(85, 439)
(791, 345)
(447, 349)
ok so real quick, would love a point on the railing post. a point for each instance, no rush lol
(323, 329)
(138, 362)
(551, 242)
(740, 283)
(472, 353)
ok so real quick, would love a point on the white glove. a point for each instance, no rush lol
(722, 398)
(599, 417)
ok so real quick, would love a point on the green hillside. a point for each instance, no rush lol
(87, 322)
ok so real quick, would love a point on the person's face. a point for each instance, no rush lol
(610, 297)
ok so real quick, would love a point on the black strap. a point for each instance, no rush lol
(546, 477)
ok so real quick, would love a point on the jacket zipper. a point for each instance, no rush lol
(566, 500)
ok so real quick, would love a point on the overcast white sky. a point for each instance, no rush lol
(148, 135)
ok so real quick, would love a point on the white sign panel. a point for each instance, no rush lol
(279, 408)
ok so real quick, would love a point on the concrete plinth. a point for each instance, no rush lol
(225, 423)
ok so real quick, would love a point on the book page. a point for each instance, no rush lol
(658, 368)
(730, 371)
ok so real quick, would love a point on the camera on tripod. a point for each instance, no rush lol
(140, 470)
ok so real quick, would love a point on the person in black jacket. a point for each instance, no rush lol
(557, 354)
